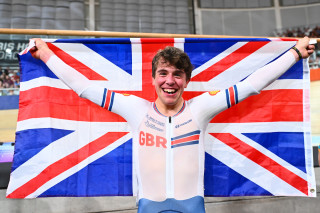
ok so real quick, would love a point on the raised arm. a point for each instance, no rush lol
(206, 106)
(115, 102)
(67, 74)
(269, 73)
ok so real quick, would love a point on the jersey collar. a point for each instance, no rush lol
(178, 113)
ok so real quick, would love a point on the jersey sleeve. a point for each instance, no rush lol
(129, 107)
(209, 104)
(71, 77)
(272, 71)
(204, 107)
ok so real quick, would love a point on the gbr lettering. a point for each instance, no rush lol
(147, 139)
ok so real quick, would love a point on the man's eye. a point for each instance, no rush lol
(179, 75)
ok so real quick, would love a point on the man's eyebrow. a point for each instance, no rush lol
(179, 71)
(161, 70)
(175, 71)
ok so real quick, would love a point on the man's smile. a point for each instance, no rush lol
(170, 91)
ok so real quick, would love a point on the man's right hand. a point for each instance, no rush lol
(41, 50)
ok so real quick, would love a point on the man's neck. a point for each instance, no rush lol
(169, 110)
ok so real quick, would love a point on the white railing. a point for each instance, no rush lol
(9, 91)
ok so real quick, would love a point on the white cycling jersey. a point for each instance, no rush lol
(168, 152)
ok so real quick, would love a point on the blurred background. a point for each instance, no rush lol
(266, 18)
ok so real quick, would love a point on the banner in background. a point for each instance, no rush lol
(9, 49)
(6, 152)
(259, 147)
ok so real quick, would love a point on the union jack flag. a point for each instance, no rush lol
(68, 146)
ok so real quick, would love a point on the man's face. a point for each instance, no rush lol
(169, 83)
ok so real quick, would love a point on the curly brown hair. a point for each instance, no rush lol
(174, 56)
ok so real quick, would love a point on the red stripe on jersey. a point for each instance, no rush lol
(63, 104)
(66, 163)
(232, 96)
(75, 64)
(269, 106)
(183, 140)
(107, 101)
(263, 160)
(228, 61)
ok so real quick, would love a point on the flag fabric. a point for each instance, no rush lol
(68, 146)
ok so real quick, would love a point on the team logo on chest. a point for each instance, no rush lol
(148, 139)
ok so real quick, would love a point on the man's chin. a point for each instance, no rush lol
(171, 104)
(170, 101)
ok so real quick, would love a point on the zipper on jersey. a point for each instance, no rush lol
(169, 160)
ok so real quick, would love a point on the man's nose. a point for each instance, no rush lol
(170, 80)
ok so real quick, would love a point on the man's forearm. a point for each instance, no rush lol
(269, 73)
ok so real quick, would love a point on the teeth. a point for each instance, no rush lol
(169, 90)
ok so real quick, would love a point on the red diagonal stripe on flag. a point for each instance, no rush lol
(228, 61)
(53, 102)
(66, 163)
(268, 106)
(75, 64)
(263, 160)
(150, 47)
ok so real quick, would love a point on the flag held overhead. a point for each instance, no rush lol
(68, 146)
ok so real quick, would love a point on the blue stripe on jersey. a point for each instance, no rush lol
(180, 111)
(197, 132)
(111, 101)
(182, 108)
(185, 144)
(104, 97)
(227, 97)
(194, 204)
(156, 109)
(235, 93)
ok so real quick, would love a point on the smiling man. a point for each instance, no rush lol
(171, 73)
(168, 134)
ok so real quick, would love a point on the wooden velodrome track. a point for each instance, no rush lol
(8, 123)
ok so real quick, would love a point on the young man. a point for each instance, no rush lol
(168, 134)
